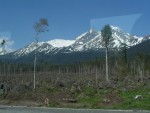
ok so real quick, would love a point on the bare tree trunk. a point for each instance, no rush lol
(34, 70)
(107, 64)
(141, 72)
(59, 71)
(141, 75)
(67, 69)
(96, 75)
(4, 69)
(0, 71)
(9, 69)
(35, 58)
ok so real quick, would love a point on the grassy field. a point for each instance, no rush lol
(77, 92)
(88, 98)
(114, 99)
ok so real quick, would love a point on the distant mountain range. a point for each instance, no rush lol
(60, 50)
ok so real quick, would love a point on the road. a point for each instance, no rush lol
(9, 109)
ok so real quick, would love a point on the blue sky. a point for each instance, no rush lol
(126, 22)
(70, 18)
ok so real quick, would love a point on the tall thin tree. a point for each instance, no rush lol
(106, 34)
(39, 27)
(3, 51)
(4, 69)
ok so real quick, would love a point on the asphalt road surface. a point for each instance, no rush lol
(10, 109)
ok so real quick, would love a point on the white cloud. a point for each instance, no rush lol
(8, 44)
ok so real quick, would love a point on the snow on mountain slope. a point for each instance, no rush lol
(60, 42)
(28, 49)
(90, 40)
(121, 37)
(81, 40)
(1, 51)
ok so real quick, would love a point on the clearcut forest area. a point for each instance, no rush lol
(79, 85)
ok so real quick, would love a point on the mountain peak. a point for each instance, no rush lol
(116, 28)
(91, 30)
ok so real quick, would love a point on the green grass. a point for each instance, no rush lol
(130, 103)
(53, 90)
(53, 104)
(90, 98)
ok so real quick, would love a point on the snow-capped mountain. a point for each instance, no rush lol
(61, 42)
(90, 40)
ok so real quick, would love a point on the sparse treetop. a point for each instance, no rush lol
(106, 36)
(41, 26)
(3, 42)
